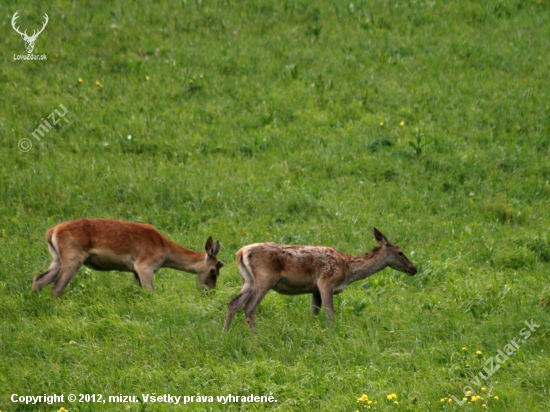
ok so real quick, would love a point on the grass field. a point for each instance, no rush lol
(294, 122)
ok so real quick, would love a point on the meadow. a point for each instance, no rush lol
(293, 122)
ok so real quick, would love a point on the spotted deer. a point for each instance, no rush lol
(104, 244)
(319, 270)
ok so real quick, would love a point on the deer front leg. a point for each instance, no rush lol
(327, 295)
(145, 269)
(145, 276)
(145, 272)
(316, 303)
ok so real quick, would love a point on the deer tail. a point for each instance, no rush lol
(243, 262)
(49, 235)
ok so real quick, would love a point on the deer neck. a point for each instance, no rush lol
(184, 259)
(365, 265)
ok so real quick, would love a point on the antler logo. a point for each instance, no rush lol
(29, 40)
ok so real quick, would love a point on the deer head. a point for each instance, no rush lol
(394, 256)
(210, 268)
(29, 40)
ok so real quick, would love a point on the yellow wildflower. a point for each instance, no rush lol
(478, 352)
(468, 393)
(381, 123)
(80, 80)
(402, 124)
(147, 78)
(449, 400)
(363, 398)
(496, 398)
(442, 400)
(98, 83)
(391, 396)
(484, 405)
(395, 402)
(483, 388)
(464, 348)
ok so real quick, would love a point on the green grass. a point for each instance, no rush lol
(280, 121)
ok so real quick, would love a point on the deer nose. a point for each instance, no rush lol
(413, 271)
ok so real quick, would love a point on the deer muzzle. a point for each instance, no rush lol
(412, 271)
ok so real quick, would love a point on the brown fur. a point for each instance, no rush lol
(104, 244)
(319, 270)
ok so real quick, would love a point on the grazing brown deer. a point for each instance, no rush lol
(104, 244)
(295, 270)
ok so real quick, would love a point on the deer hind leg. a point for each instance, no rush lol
(244, 295)
(316, 303)
(69, 267)
(250, 306)
(49, 275)
(235, 304)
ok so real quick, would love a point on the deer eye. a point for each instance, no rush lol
(401, 254)
(213, 272)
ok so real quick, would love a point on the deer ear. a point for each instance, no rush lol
(216, 249)
(380, 238)
(208, 246)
